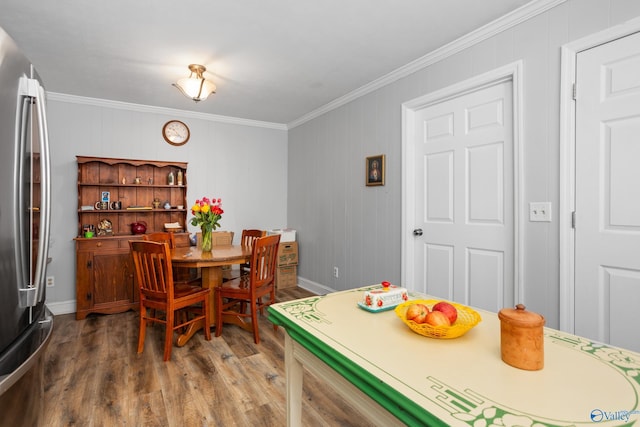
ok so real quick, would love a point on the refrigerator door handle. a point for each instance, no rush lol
(34, 292)
(45, 188)
(23, 246)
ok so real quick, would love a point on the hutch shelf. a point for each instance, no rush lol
(105, 281)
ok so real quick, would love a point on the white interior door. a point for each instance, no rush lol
(464, 198)
(607, 195)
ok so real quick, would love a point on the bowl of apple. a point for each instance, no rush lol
(437, 318)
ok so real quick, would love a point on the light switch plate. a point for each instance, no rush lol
(540, 211)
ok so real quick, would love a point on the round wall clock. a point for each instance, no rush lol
(175, 132)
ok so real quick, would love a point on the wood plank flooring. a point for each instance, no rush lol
(94, 377)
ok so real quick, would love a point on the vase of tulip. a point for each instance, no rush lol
(207, 214)
(206, 239)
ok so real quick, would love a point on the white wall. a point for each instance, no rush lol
(342, 223)
(244, 164)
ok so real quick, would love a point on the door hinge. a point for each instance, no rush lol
(573, 219)
(574, 93)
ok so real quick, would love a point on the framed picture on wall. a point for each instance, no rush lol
(375, 170)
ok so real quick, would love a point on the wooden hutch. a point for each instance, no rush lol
(105, 276)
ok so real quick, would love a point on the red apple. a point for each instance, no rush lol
(437, 318)
(447, 309)
(417, 312)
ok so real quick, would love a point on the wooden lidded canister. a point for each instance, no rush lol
(522, 338)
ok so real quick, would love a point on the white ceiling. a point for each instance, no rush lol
(272, 60)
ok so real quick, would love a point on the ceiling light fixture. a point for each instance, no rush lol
(195, 86)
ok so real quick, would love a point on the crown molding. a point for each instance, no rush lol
(97, 102)
(501, 24)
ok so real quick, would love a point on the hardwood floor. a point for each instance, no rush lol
(94, 377)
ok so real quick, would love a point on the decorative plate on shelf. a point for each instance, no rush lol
(105, 228)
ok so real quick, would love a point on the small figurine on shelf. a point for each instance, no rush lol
(179, 176)
(124, 180)
(171, 179)
(105, 228)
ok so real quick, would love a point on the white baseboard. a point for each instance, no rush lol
(64, 307)
(314, 287)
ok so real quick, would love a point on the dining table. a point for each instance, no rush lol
(394, 376)
(211, 265)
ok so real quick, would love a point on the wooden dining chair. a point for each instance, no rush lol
(247, 239)
(181, 275)
(157, 294)
(223, 238)
(256, 289)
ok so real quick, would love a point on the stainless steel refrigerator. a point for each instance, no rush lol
(25, 321)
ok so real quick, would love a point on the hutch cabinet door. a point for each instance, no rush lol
(112, 279)
(84, 283)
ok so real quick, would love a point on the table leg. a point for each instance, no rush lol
(296, 356)
(293, 369)
(211, 277)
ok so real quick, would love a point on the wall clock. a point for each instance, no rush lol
(176, 132)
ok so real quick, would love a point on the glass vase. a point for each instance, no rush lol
(206, 240)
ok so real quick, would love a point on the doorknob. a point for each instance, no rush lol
(417, 232)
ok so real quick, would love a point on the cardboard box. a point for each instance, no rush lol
(287, 277)
(286, 234)
(287, 254)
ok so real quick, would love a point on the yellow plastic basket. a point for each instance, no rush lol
(467, 319)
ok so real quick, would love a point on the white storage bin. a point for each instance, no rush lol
(286, 234)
